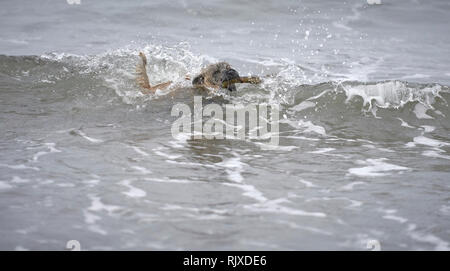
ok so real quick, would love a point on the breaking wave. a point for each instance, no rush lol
(109, 78)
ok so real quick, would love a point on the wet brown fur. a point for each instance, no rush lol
(209, 77)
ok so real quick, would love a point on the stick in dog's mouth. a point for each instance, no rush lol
(245, 79)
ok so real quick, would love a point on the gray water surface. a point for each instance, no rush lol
(364, 144)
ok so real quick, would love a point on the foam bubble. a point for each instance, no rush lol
(427, 238)
(274, 206)
(390, 215)
(394, 94)
(98, 205)
(435, 154)
(51, 148)
(375, 168)
(134, 192)
(421, 111)
(429, 142)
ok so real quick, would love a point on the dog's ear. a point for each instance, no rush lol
(198, 80)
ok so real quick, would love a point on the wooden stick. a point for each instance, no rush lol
(246, 79)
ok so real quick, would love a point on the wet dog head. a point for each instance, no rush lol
(216, 76)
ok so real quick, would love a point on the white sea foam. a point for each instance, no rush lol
(382, 93)
(318, 95)
(249, 191)
(167, 180)
(350, 186)
(421, 111)
(428, 128)
(375, 168)
(302, 138)
(192, 164)
(322, 150)
(272, 147)
(353, 203)
(17, 179)
(180, 140)
(140, 151)
(21, 166)
(307, 183)
(309, 229)
(204, 213)
(394, 94)
(308, 126)
(427, 238)
(90, 218)
(423, 140)
(445, 209)
(5, 185)
(377, 148)
(303, 105)
(435, 153)
(234, 168)
(134, 192)
(274, 206)
(97, 205)
(161, 152)
(390, 214)
(97, 229)
(395, 218)
(51, 149)
(429, 142)
(83, 135)
(142, 170)
(405, 124)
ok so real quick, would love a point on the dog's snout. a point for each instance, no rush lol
(230, 76)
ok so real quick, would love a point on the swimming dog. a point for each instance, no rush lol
(214, 76)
